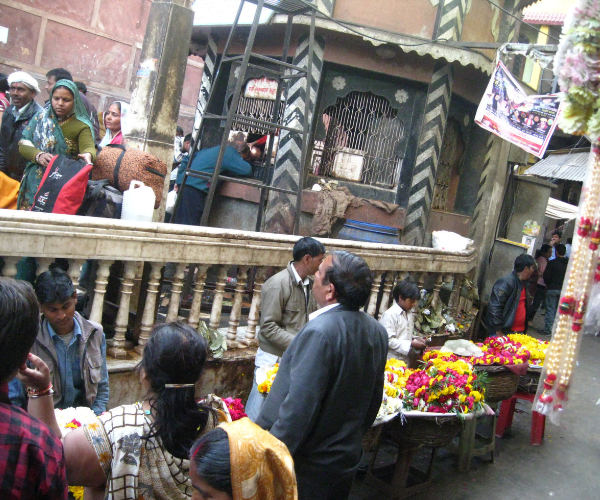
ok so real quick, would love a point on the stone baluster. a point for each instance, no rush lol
(43, 264)
(10, 267)
(236, 308)
(148, 316)
(75, 271)
(215, 312)
(421, 285)
(372, 307)
(100, 290)
(253, 315)
(194, 317)
(455, 295)
(436, 291)
(388, 285)
(176, 289)
(117, 349)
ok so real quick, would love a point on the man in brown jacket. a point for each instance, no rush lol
(286, 302)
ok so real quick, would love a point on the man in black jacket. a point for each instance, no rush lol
(507, 308)
(23, 89)
(554, 275)
(329, 386)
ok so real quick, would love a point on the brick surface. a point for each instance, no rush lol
(80, 10)
(124, 18)
(23, 32)
(88, 56)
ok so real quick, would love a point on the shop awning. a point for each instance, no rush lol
(557, 209)
(568, 167)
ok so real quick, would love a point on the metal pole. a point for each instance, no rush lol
(311, 42)
(196, 140)
(231, 114)
(276, 114)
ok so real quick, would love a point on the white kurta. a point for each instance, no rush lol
(400, 326)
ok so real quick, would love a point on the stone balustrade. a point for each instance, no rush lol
(145, 248)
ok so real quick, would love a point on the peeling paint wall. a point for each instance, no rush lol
(98, 41)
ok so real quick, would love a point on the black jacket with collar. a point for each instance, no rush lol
(503, 304)
(328, 391)
(11, 161)
(554, 274)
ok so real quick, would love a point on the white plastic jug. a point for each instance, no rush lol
(138, 202)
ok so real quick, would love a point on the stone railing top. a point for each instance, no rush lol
(51, 235)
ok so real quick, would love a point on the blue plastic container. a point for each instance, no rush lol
(364, 231)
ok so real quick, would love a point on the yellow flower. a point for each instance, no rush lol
(77, 492)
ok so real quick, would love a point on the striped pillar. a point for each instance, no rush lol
(437, 105)
(210, 66)
(508, 33)
(281, 207)
(451, 20)
(428, 152)
(478, 221)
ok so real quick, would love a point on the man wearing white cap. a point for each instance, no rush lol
(23, 89)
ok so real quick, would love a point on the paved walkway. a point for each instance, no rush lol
(565, 467)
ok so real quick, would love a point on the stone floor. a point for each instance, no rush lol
(565, 467)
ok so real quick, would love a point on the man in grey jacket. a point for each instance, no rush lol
(329, 386)
(286, 302)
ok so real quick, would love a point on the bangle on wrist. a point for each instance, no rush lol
(37, 157)
(32, 393)
(35, 396)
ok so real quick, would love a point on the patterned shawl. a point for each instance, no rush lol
(261, 465)
(44, 133)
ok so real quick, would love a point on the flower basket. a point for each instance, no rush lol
(529, 382)
(371, 438)
(502, 383)
(424, 430)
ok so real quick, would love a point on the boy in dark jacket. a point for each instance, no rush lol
(554, 276)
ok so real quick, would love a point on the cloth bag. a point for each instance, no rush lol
(121, 165)
(62, 187)
(101, 200)
(9, 192)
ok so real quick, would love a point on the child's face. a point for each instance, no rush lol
(406, 304)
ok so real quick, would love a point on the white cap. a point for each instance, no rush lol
(26, 78)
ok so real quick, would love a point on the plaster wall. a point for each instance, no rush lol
(482, 23)
(412, 17)
(98, 41)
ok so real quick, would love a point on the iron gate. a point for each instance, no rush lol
(362, 135)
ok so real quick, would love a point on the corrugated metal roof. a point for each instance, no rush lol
(568, 167)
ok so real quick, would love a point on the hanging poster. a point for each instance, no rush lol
(507, 111)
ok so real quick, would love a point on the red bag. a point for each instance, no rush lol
(62, 187)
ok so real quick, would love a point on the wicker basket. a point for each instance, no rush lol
(371, 438)
(424, 431)
(529, 382)
(502, 383)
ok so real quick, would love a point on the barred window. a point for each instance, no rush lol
(362, 135)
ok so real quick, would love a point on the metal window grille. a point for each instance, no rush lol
(261, 109)
(362, 134)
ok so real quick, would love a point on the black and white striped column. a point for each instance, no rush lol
(508, 33)
(210, 66)
(281, 207)
(428, 152)
(452, 19)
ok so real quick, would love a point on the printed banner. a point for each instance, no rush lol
(507, 111)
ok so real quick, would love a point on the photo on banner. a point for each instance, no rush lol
(507, 111)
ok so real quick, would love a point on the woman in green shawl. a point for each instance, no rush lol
(63, 128)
